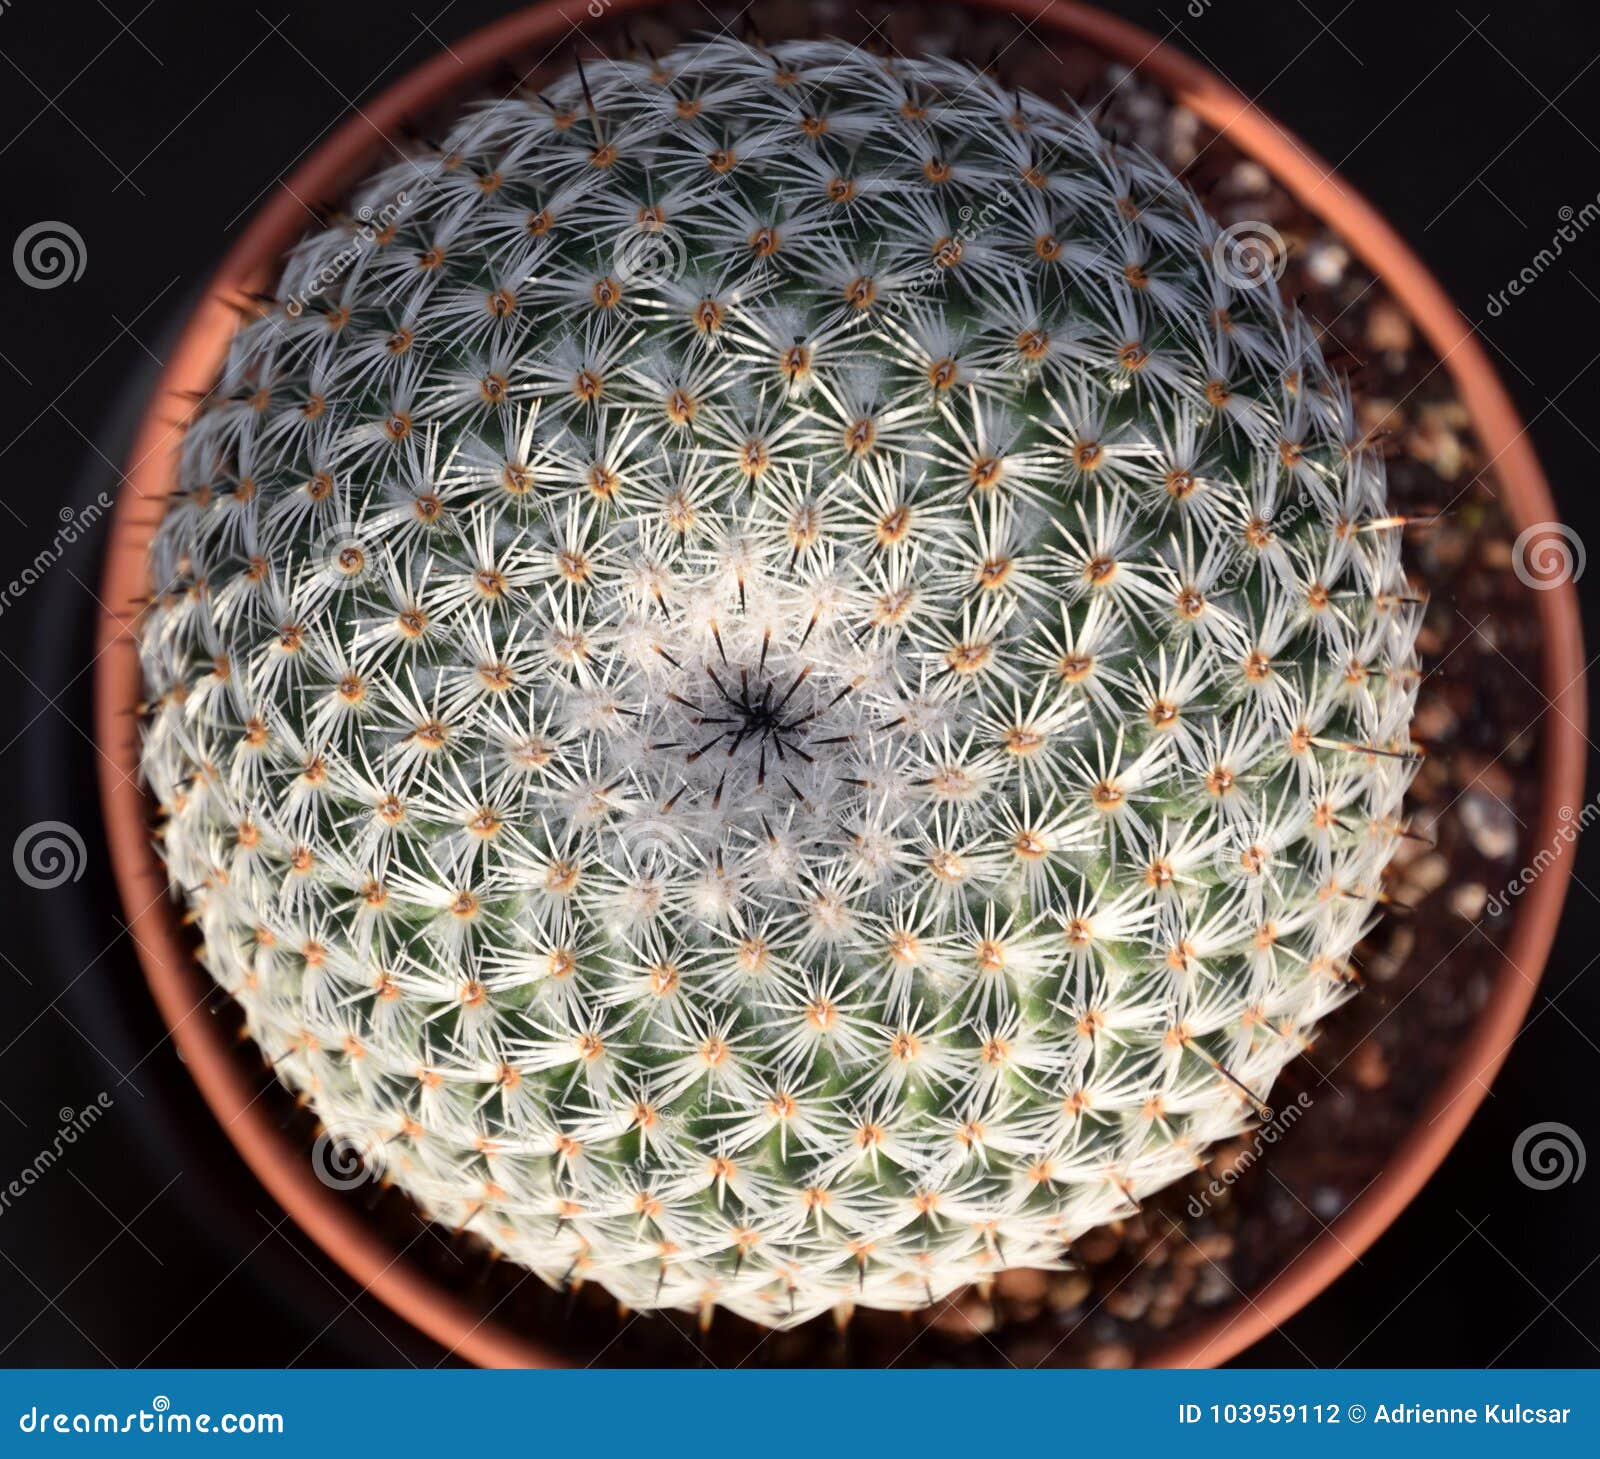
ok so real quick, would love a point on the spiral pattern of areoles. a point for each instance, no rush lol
(799, 766)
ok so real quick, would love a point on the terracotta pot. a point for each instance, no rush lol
(182, 990)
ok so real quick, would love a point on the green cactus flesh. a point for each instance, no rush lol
(772, 685)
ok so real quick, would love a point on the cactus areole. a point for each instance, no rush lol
(772, 683)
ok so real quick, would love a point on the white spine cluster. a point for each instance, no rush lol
(770, 688)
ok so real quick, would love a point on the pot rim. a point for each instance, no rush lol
(182, 990)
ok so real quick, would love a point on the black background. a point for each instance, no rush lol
(155, 128)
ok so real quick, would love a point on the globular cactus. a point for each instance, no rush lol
(772, 685)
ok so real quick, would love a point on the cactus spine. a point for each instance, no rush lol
(770, 684)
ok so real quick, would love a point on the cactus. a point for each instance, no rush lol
(772, 684)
